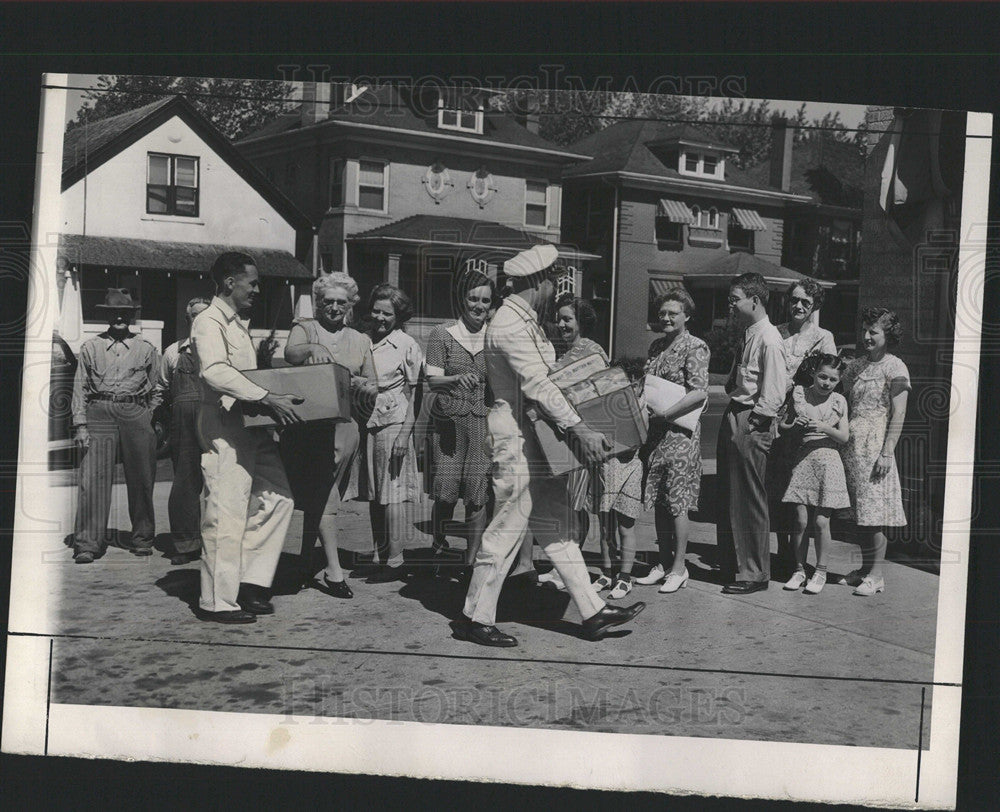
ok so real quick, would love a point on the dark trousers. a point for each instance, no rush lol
(742, 524)
(184, 505)
(125, 430)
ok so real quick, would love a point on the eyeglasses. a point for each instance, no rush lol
(801, 301)
(735, 300)
(328, 304)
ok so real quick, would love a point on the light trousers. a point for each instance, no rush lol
(527, 501)
(246, 507)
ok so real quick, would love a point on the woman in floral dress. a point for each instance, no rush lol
(673, 480)
(877, 387)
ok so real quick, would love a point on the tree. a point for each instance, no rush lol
(236, 106)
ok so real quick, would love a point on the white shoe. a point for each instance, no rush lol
(816, 583)
(673, 582)
(797, 580)
(654, 577)
(551, 577)
(622, 588)
(603, 582)
(870, 586)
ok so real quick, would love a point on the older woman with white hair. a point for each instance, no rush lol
(320, 456)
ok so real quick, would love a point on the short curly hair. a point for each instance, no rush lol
(677, 294)
(887, 320)
(337, 279)
(813, 289)
(401, 303)
(584, 312)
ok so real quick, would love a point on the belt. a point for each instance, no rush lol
(143, 399)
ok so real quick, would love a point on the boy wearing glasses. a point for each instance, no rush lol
(756, 388)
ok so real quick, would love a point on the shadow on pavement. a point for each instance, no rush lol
(183, 584)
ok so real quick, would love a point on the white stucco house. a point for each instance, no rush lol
(151, 197)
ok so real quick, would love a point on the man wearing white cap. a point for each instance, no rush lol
(518, 361)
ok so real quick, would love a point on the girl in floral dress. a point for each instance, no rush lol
(673, 478)
(877, 387)
(816, 423)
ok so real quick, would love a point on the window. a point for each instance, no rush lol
(669, 235)
(536, 206)
(172, 185)
(372, 185)
(740, 239)
(458, 112)
(336, 197)
(703, 165)
(599, 214)
(705, 218)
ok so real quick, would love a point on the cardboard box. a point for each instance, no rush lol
(326, 389)
(606, 403)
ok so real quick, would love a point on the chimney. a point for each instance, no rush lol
(526, 113)
(315, 102)
(781, 153)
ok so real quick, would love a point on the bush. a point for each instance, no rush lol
(722, 341)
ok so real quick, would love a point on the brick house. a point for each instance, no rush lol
(407, 184)
(664, 206)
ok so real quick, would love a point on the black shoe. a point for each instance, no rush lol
(84, 557)
(179, 559)
(338, 589)
(483, 635)
(233, 616)
(744, 587)
(523, 579)
(387, 575)
(253, 599)
(142, 552)
(596, 626)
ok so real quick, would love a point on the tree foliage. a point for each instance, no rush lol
(236, 106)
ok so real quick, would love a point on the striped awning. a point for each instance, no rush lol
(674, 211)
(749, 220)
(658, 285)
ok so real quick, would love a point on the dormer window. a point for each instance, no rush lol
(457, 111)
(702, 165)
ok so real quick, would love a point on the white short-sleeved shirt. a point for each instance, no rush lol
(399, 363)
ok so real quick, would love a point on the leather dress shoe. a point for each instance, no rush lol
(84, 557)
(597, 626)
(744, 587)
(466, 629)
(253, 599)
(234, 616)
(179, 559)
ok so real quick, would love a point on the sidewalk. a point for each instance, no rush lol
(777, 665)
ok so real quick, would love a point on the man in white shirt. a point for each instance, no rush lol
(518, 361)
(756, 388)
(246, 502)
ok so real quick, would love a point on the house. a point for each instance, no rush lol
(664, 205)
(407, 184)
(151, 197)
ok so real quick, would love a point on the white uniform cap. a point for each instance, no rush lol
(534, 260)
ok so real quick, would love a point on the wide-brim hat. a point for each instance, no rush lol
(534, 260)
(118, 299)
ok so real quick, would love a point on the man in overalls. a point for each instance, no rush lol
(179, 388)
(528, 498)
(114, 394)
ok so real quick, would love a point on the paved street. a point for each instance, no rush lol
(777, 665)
